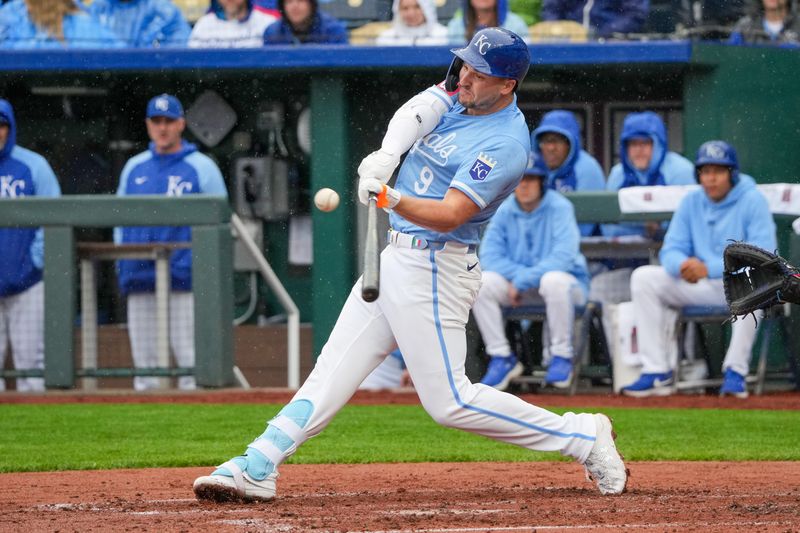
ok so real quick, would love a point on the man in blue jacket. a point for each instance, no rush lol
(602, 18)
(557, 141)
(170, 167)
(728, 206)
(645, 160)
(22, 173)
(303, 23)
(530, 254)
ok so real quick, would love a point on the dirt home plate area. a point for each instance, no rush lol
(437, 497)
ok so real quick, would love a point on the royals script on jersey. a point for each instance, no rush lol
(482, 156)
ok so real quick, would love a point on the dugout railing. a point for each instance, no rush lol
(209, 217)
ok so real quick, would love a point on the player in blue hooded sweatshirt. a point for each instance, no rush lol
(170, 167)
(727, 207)
(530, 255)
(557, 141)
(22, 173)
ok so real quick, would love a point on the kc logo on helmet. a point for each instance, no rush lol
(716, 151)
(162, 104)
(482, 44)
(481, 167)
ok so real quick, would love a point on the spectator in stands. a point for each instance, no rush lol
(557, 141)
(170, 167)
(231, 24)
(52, 24)
(479, 14)
(770, 22)
(22, 173)
(728, 206)
(143, 23)
(530, 255)
(601, 18)
(303, 23)
(414, 23)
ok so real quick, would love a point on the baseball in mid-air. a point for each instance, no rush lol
(326, 199)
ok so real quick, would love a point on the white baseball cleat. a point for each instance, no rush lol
(604, 464)
(239, 488)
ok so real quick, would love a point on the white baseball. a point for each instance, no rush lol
(326, 199)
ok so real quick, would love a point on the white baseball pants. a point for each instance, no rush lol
(423, 307)
(22, 322)
(560, 292)
(142, 333)
(657, 297)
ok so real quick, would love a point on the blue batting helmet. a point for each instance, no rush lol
(718, 153)
(537, 168)
(493, 51)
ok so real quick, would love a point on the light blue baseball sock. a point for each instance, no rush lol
(253, 461)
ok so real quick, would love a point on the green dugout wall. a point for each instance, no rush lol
(79, 102)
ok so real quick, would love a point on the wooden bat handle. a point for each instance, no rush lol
(370, 285)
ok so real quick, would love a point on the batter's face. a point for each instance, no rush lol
(716, 181)
(297, 11)
(411, 13)
(554, 148)
(3, 135)
(166, 133)
(529, 192)
(640, 152)
(481, 94)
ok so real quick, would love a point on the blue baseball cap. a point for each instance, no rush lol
(164, 105)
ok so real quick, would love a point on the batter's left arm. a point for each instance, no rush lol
(443, 215)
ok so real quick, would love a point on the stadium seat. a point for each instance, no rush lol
(584, 314)
(561, 31)
(193, 9)
(355, 13)
(367, 33)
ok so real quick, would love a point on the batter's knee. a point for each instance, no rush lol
(444, 413)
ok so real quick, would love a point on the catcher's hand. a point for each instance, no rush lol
(757, 279)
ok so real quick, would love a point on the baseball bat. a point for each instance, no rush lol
(370, 283)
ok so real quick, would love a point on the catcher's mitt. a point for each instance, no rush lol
(757, 279)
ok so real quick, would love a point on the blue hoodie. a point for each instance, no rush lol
(143, 23)
(701, 228)
(22, 173)
(579, 171)
(81, 30)
(325, 29)
(456, 28)
(185, 172)
(522, 246)
(605, 16)
(666, 167)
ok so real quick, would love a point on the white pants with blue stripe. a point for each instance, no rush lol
(424, 303)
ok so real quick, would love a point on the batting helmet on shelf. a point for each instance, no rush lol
(717, 153)
(494, 51)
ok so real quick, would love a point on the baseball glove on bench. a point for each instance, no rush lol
(757, 279)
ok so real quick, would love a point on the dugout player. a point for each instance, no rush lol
(171, 166)
(22, 173)
(727, 207)
(473, 151)
(530, 254)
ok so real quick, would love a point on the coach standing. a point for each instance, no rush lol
(173, 167)
(22, 173)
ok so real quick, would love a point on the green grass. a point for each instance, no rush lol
(87, 436)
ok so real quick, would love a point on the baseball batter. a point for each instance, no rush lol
(22, 173)
(472, 152)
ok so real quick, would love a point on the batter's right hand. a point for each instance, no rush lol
(379, 165)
